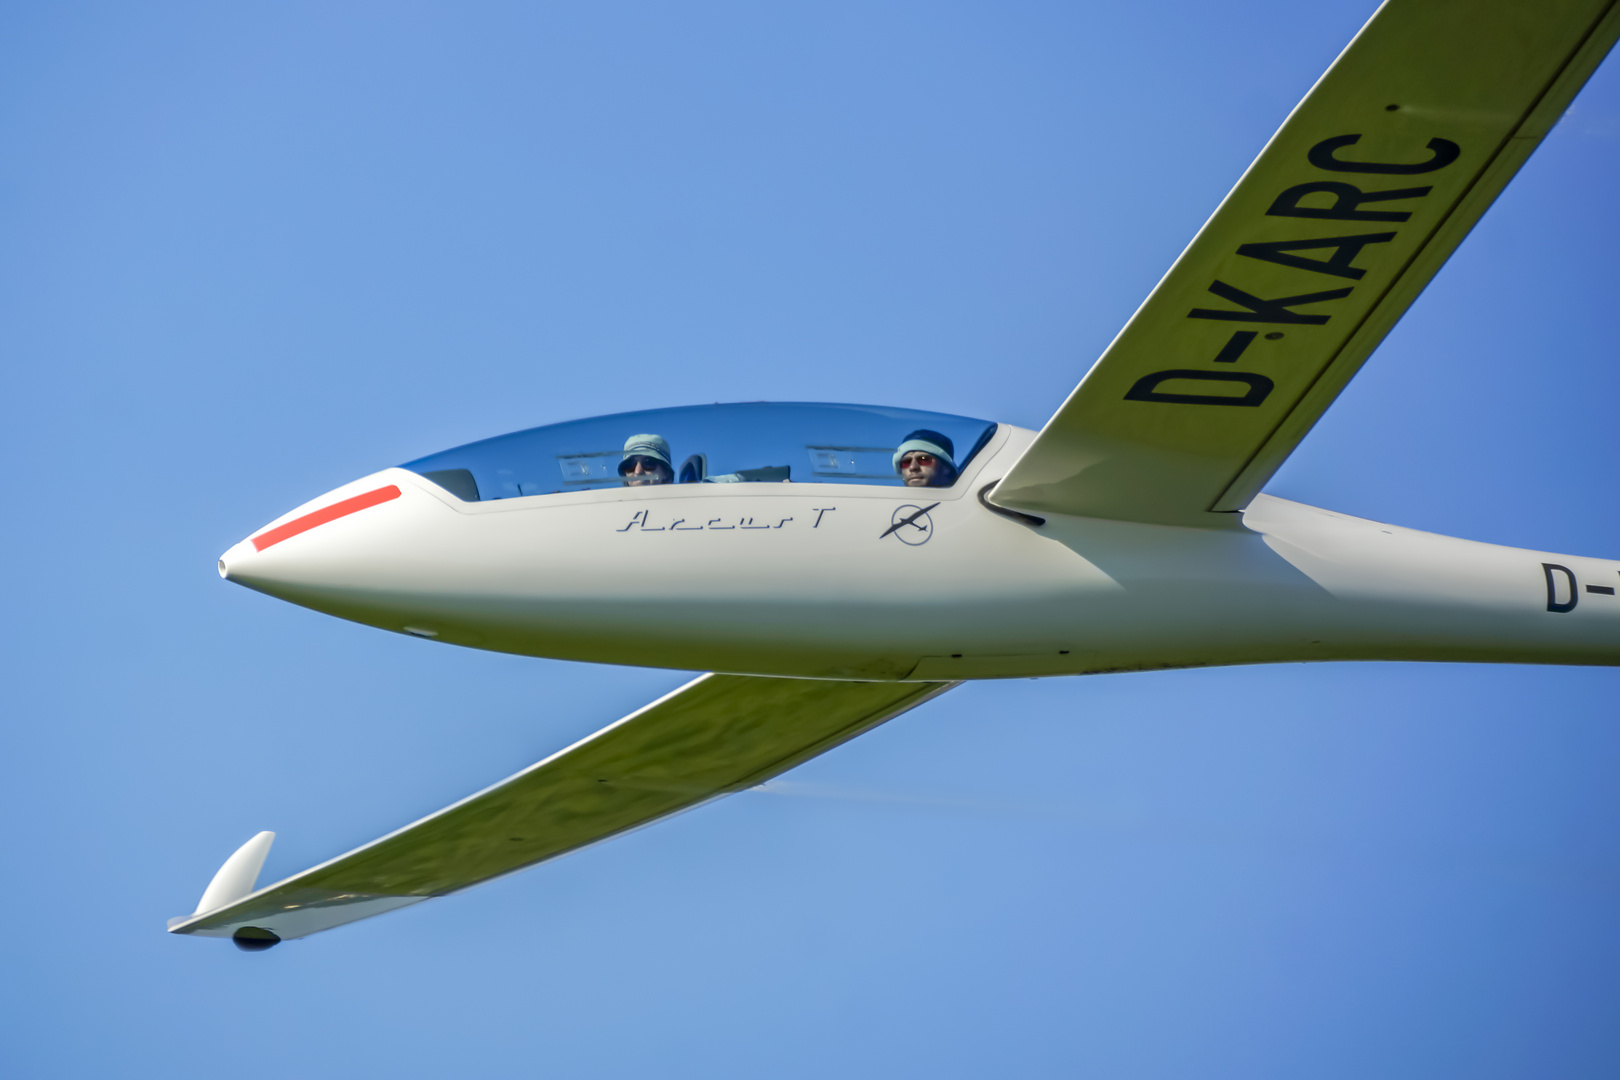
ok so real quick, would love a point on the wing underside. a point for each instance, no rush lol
(716, 735)
(1354, 204)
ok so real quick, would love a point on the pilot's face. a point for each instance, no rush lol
(918, 469)
(643, 471)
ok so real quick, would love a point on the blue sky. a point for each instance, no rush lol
(255, 251)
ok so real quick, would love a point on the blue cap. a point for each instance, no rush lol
(929, 442)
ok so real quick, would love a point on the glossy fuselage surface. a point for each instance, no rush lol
(869, 582)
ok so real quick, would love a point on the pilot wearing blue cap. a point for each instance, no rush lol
(646, 461)
(923, 459)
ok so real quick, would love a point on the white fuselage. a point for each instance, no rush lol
(831, 581)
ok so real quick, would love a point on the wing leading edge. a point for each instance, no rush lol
(1333, 231)
(715, 735)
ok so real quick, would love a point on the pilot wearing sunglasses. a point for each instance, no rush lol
(646, 461)
(923, 459)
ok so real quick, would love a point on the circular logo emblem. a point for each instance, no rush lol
(911, 524)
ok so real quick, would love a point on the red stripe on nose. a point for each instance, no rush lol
(323, 515)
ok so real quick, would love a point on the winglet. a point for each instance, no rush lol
(238, 876)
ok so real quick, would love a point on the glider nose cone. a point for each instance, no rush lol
(234, 560)
(387, 550)
(324, 546)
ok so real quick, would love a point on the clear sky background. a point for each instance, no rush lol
(253, 251)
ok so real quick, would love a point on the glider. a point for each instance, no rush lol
(798, 561)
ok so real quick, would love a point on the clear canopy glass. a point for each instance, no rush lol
(759, 442)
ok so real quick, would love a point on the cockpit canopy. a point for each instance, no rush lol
(759, 442)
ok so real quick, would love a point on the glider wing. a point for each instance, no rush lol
(715, 735)
(1354, 204)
